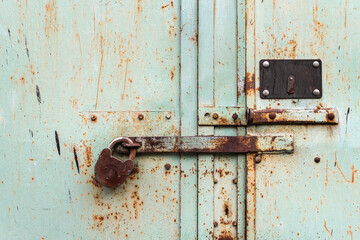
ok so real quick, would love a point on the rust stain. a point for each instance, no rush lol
(194, 39)
(326, 228)
(250, 83)
(139, 7)
(172, 73)
(51, 17)
(100, 70)
(345, 13)
(125, 79)
(353, 171)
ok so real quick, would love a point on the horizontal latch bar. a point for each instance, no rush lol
(212, 144)
(293, 116)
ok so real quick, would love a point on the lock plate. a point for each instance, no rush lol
(289, 79)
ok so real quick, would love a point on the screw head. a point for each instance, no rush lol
(215, 116)
(215, 181)
(272, 115)
(317, 159)
(234, 223)
(167, 166)
(168, 116)
(316, 64)
(235, 180)
(330, 116)
(316, 92)
(93, 118)
(266, 92)
(266, 64)
(257, 158)
(235, 116)
(140, 116)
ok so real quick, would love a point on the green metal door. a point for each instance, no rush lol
(77, 74)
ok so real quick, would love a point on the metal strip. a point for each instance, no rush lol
(211, 144)
(222, 116)
(293, 116)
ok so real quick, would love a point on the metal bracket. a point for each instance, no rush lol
(211, 144)
(288, 79)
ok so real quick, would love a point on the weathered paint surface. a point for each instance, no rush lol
(76, 74)
(297, 198)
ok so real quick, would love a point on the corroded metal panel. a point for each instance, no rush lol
(75, 75)
(297, 197)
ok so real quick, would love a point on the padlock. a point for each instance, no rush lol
(111, 171)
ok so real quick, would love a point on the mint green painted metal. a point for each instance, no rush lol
(297, 198)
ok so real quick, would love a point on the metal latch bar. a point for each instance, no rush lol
(293, 116)
(213, 144)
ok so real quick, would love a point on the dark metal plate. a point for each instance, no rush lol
(289, 79)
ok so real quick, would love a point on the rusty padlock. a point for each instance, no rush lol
(111, 171)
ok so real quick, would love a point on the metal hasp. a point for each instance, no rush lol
(211, 144)
(293, 116)
(288, 79)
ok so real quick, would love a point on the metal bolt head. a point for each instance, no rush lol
(167, 166)
(330, 116)
(140, 116)
(316, 64)
(272, 115)
(215, 224)
(235, 180)
(317, 159)
(93, 118)
(266, 64)
(215, 181)
(316, 92)
(235, 116)
(234, 223)
(257, 158)
(266, 92)
(215, 116)
(168, 116)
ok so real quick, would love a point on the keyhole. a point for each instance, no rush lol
(226, 210)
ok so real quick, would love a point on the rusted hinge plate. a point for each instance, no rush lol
(293, 116)
(289, 78)
(212, 144)
(221, 116)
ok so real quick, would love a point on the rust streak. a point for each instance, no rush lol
(100, 70)
(353, 171)
(327, 229)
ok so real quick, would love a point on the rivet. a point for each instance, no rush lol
(215, 224)
(140, 116)
(235, 116)
(266, 64)
(207, 115)
(316, 92)
(215, 181)
(167, 166)
(272, 115)
(105, 168)
(257, 158)
(330, 116)
(234, 223)
(316, 64)
(93, 118)
(215, 116)
(266, 92)
(107, 178)
(235, 180)
(317, 159)
(168, 116)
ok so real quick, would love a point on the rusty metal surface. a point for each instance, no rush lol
(290, 78)
(221, 116)
(212, 144)
(293, 116)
